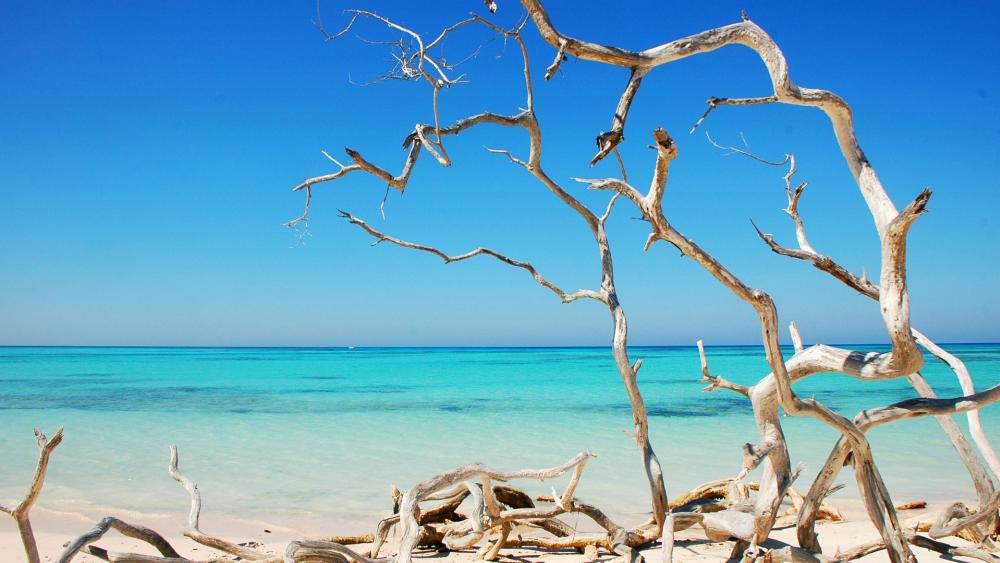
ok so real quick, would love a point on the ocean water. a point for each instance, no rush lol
(312, 438)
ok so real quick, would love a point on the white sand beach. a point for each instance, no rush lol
(54, 529)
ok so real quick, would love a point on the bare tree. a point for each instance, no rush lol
(774, 392)
(431, 136)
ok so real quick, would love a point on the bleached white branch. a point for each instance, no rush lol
(969, 388)
(564, 296)
(111, 523)
(193, 530)
(749, 34)
(796, 337)
(717, 381)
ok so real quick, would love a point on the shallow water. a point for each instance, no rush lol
(291, 436)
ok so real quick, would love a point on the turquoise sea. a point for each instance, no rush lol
(312, 438)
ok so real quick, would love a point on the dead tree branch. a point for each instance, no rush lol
(193, 531)
(903, 359)
(774, 391)
(717, 381)
(486, 516)
(980, 477)
(748, 34)
(595, 224)
(866, 420)
(968, 387)
(563, 296)
(926, 543)
(21, 512)
(111, 523)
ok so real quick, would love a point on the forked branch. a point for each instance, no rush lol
(717, 381)
(21, 512)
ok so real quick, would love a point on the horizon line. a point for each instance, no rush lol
(445, 346)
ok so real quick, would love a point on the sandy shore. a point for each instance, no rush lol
(54, 529)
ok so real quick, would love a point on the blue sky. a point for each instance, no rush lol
(147, 151)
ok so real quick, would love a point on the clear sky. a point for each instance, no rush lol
(147, 151)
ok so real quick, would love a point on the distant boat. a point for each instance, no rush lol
(350, 347)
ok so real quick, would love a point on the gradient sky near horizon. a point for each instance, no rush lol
(147, 151)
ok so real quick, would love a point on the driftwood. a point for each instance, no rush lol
(424, 136)
(500, 509)
(800, 555)
(193, 531)
(21, 512)
(957, 518)
(21, 515)
(111, 523)
(918, 540)
(826, 510)
(980, 475)
(151, 537)
(814, 508)
(726, 489)
(891, 225)
(489, 515)
(775, 390)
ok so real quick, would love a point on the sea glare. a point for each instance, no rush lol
(312, 438)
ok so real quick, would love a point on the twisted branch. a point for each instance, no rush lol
(903, 359)
(981, 480)
(111, 523)
(193, 531)
(596, 225)
(448, 259)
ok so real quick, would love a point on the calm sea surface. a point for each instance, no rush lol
(289, 436)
